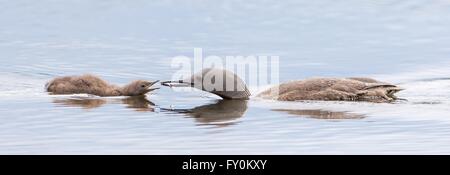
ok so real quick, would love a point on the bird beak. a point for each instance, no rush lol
(179, 83)
(151, 84)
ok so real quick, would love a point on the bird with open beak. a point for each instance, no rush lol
(90, 84)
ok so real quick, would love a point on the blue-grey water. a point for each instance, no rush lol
(403, 42)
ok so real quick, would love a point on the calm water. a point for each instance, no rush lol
(404, 42)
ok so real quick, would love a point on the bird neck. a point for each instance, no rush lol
(127, 90)
(113, 91)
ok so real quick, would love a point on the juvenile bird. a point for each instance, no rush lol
(90, 84)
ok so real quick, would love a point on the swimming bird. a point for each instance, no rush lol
(318, 89)
(334, 89)
(90, 84)
(221, 82)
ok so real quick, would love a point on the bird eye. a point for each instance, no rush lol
(143, 86)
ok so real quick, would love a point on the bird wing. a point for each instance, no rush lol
(374, 86)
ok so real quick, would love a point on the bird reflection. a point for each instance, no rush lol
(221, 113)
(322, 114)
(138, 103)
(83, 103)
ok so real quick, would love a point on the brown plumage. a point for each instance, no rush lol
(90, 84)
(334, 89)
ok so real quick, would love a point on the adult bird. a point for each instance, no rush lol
(229, 86)
(221, 82)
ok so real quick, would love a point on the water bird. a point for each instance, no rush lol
(217, 81)
(334, 89)
(91, 84)
(317, 89)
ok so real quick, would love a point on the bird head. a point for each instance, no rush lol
(138, 87)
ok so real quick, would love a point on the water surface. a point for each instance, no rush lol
(403, 42)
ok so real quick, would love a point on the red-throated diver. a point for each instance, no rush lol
(321, 89)
(221, 82)
(90, 84)
(334, 89)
